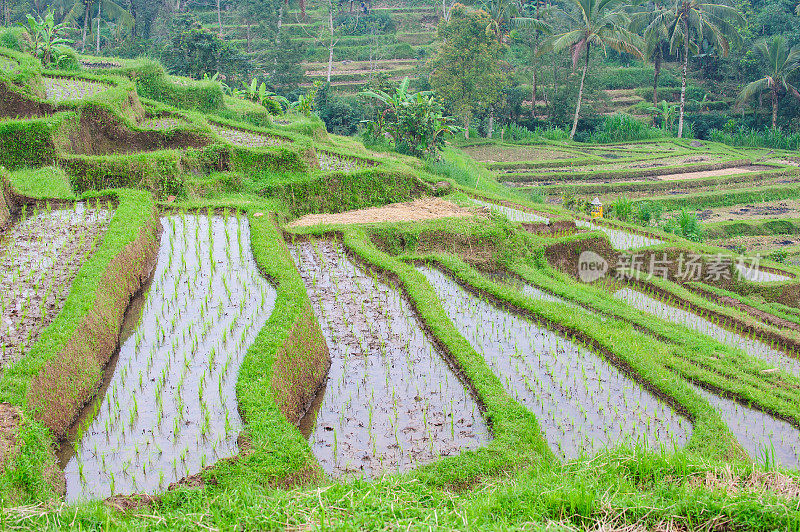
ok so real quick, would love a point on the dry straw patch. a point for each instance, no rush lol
(417, 210)
(727, 480)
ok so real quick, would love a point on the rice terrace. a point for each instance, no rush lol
(413, 265)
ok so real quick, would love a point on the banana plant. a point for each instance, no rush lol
(413, 119)
(226, 89)
(44, 33)
(666, 112)
(257, 92)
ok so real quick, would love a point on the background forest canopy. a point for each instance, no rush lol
(595, 70)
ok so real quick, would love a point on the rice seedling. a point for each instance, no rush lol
(709, 327)
(379, 414)
(619, 239)
(39, 257)
(762, 436)
(582, 402)
(171, 358)
(65, 89)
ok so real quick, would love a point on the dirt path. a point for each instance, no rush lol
(421, 209)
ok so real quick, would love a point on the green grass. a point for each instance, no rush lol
(47, 182)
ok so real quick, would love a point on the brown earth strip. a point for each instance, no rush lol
(417, 210)
(713, 173)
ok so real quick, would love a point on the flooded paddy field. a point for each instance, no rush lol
(391, 401)
(40, 255)
(582, 402)
(620, 239)
(765, 438)
(751, 346)
(514, 215)
(169, 408)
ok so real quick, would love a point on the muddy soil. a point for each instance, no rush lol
(770, 209)
(677, 189)
(602, 166)
(583, 403)
(246, 139)
(506, 154)
(751, 346)
(40, 256)
(391, 400)
(758, 243)
(417, 210)
(170, 409)
(760, 434)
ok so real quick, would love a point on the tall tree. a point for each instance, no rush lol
(83, 9)
(780, 64)
(650, 22)
(595, 23)
(501, 13)
(691, 22)
(466, 70)
(262, 14)
(529, 29)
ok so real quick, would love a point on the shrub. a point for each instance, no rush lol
(621, 127)
(622, 208)
(649, 212)
(634, 77)
(413, 119)
(516, 133)
(402, 50)
(752, 138)
(14, 39)
(685, 224)
(65, 58)
(779, 255)
(366, 24)
(341, 115)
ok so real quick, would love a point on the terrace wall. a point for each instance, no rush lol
(69, 378)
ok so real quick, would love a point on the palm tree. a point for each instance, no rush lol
(781, 63)
(82, 9)
(650, 23)
(501, 13)
(534, 20)
(597, 23)
(691, 22)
